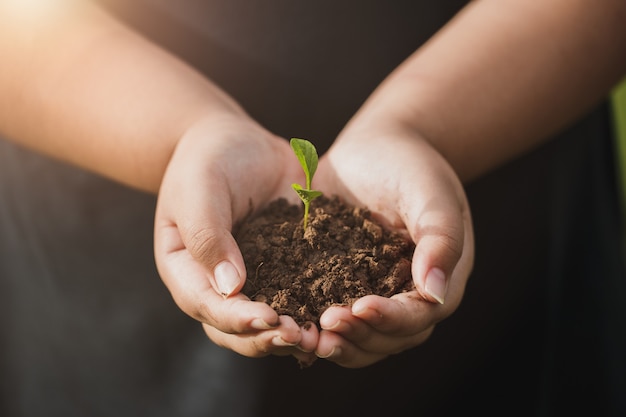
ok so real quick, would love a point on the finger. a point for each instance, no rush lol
(305, 353)
(443, 257)
(193, 291)
(438, 227)
(196, 197)
(204, 227)
(209, 260)
(381, 325)
(335, 348)
(403, 314)
(439, 240)
(310, 337)
(281, 341)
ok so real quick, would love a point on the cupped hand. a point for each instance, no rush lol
(411, 188)
(222, 169)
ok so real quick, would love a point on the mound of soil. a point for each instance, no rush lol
(343, 255)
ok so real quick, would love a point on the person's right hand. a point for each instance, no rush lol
(222, 169)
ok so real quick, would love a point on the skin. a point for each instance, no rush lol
(493, 84)
(496, 82)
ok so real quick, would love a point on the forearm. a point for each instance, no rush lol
(503, 76)
(79, 86)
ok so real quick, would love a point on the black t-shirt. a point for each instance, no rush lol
(88, 328)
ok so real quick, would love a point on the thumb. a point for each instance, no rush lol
(216, 249)
(203, 213)
(195, 252)
(441, 233)
(205, 230)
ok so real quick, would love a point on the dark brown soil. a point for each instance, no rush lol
(343, 255)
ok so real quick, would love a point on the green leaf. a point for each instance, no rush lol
(307, 155)
(306, 195)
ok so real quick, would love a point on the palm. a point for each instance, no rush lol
(411, 188)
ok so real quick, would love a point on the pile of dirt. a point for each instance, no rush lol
(343, 255)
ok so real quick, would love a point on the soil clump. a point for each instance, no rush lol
(343, 255)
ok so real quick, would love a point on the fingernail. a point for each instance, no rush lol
(260, 324)
(334, 326)
(366, 313)
(336, 351)
(358, 309)
(436, 285)
(278, 341)
(226, 277)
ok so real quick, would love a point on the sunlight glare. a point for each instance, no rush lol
(26, 10)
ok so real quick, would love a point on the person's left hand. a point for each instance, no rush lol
(409, 185)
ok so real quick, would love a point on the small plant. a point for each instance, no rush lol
(307, 155)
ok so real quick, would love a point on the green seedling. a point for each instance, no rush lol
(307, 155)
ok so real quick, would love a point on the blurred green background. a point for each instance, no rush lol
(619, 106)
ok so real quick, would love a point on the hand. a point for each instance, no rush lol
(401, 178)
(221, 169)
